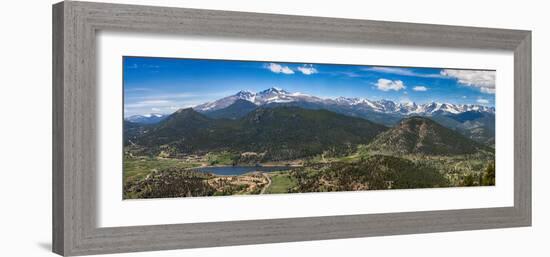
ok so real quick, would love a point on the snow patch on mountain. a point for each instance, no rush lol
(149, 118)
(279, 95)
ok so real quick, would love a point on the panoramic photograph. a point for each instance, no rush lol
(198, 127)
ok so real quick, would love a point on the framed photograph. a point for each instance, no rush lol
(183, 128)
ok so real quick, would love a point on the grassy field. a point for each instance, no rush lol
(281, 182)
(362, 170)
(221, 158)
(139, 168)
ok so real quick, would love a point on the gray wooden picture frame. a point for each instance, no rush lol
(75, 25)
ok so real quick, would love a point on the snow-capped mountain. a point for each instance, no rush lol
(410, 108)
(271, 95)
(277, 95)
(146, 118)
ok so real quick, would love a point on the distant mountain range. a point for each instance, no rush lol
(280, 96)
(476, 122)
(286, 133)
(151, 118)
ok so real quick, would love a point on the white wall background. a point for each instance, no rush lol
(25, 129)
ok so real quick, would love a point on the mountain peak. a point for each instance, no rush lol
(275, 90)
(149, 118)
(147, 115)
(416, 121)
(244, 93)
(420, 135)
(277, 95)
(183, 117)
(236, 110)
(185, 110)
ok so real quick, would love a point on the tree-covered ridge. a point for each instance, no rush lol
(375, 172)
(237, 110)
(420, 135)
(279, 133)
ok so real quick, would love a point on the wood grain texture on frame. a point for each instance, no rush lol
(75, 25)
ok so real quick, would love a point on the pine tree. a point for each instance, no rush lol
(489, 175)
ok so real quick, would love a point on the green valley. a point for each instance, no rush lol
(308, 150)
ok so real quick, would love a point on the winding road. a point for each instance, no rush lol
(268, 183)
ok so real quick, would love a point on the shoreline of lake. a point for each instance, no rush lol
(240, 170)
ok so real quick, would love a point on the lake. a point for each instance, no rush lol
(239, 170)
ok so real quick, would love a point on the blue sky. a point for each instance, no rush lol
(163, 85)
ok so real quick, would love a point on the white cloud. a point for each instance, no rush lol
(482, 101)
(420, 88)
(387, 85)
(277, 68)
(402, 72)
(484, 80)
(155, 109)
(350, 74)
(487, 90)
(307, 69)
